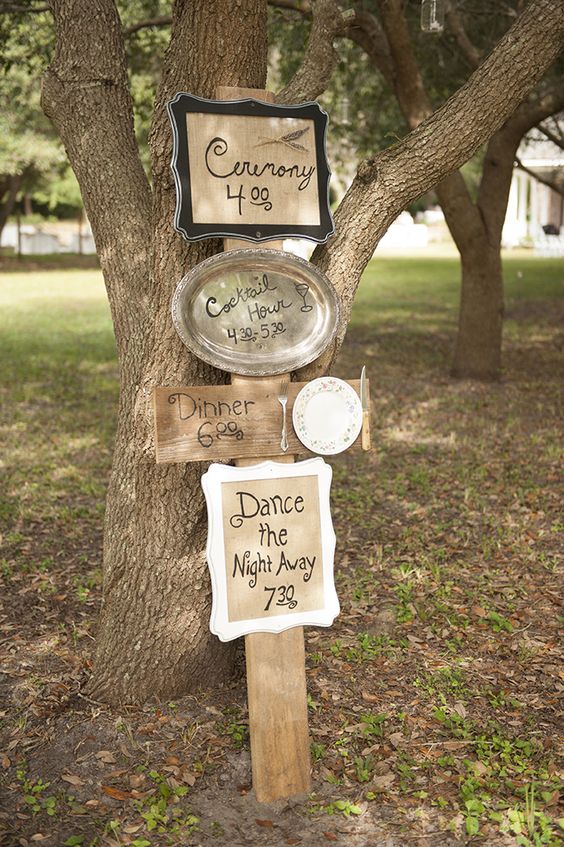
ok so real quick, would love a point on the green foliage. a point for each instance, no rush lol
(28, 140)
(29, 143)
(498, 623)
(343, 807)
(33, 791)
(363, 768)
(238, 733)
(162, 814)
(367, 648)
(372, 725)
(317, 751)
(444, 684)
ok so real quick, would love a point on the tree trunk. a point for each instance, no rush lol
(477, 353)
(478, 344)
(477, 231)
(154, 637)
(27, 204)
(14, 185)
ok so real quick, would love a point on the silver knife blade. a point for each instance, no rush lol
(363, 392)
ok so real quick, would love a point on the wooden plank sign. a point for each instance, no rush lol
(270, 547)
(203, 423)
(249, 169)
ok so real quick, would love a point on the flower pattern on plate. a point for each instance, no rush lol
(346, 398)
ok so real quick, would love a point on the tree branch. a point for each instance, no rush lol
(441, 144)
(497, 170)
(536, 108)
(86, 95)
(163, 20)
(6, 7)
(551, 136)
(365, 30)
(462, 217)
(304, 7)
(313, 75)
(358, 25)
(555, 185)
(412, 97)
(472, 55)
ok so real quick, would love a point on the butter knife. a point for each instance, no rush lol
(365, 437)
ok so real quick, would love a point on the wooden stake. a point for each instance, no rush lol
(276, 681)
(277, 696)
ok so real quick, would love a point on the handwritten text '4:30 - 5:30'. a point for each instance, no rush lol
(249, 333)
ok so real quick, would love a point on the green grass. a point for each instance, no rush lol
(424, 292)
(56, 331)
(58, 390)
(444, 707)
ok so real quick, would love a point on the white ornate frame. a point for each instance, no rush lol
(215, 551)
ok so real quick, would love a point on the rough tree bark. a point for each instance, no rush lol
(153, 637)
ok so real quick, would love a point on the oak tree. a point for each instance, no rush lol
(153, 637)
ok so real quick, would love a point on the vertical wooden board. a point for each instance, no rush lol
(276, 679)
(278, 720)
(224, 92)
(230, 92)
(277, 695)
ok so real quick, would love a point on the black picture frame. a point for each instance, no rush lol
(184, 103)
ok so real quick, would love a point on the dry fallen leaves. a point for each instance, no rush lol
(106, 756)
(380, 783)
(72, 779)
(117, 793)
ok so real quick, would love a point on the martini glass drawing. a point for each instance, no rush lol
(302, 288)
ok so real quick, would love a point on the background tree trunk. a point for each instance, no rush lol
(475, 227)
(477, 353)
(13, 185)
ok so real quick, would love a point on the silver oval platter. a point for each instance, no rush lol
(256, 312)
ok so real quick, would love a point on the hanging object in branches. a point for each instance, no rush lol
(343, 111)
(432, 15)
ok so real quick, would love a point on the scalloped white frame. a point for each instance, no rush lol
(215, 552)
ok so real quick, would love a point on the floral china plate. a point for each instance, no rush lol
(327, 415)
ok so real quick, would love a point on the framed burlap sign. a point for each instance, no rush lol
(250, 169)
(270, 547)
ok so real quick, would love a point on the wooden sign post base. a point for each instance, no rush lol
(279, 732)
(277, 695)
(276, 680)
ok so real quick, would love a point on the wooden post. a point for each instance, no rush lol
(277, 696)
(276, 680)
